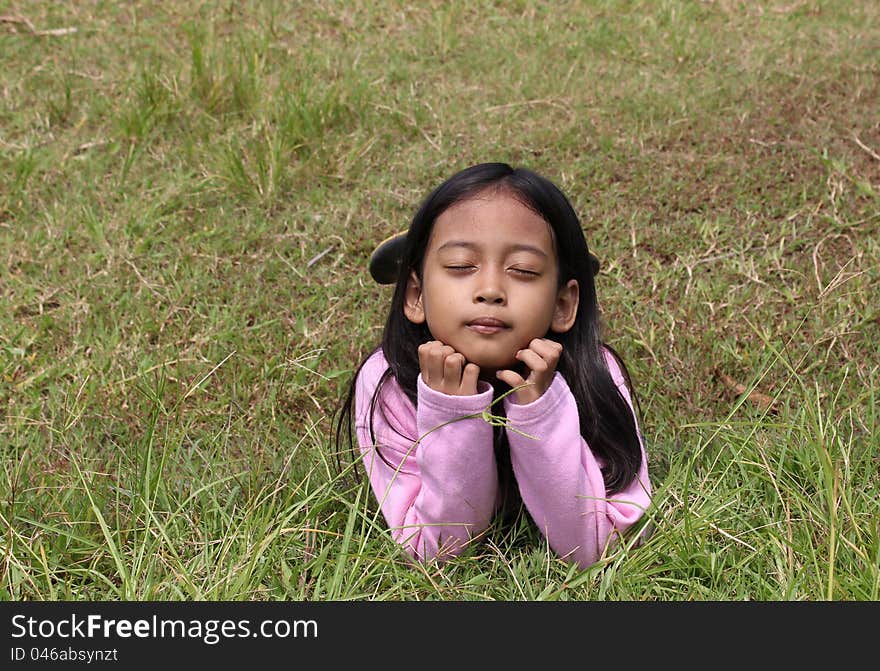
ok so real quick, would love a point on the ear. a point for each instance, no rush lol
(412, 300)
(566, 308)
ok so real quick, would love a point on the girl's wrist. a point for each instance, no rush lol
(441, 400)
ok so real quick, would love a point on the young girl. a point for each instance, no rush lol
(495, 295)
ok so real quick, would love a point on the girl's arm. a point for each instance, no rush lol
(436, 493)
(560, 479)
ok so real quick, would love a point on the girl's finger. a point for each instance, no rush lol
(436, 359)
(452, 372)
(533, 360)
(512, 378)
(426, 358)
(549, 350)
(469, 379)
(424, 351)
(431, 361)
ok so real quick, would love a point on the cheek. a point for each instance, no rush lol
(439, 296)
(543, 299)
(543, 308)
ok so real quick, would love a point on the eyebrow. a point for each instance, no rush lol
(470, 245)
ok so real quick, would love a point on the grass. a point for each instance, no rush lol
(191, 195)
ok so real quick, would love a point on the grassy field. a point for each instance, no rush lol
(190, 193)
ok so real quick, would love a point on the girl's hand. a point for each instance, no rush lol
(541, 358)
(447, 371)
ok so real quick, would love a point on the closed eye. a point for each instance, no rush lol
(459, 267)
(525, 272)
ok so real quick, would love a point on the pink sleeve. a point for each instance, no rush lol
(560, 479)
(436, 493)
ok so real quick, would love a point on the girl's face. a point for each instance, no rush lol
(490, 281)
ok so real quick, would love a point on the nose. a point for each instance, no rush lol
(489, 290)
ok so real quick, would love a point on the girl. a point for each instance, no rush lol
(495, 298)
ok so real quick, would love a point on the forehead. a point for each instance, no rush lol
(493, 219)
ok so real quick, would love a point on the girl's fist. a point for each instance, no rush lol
(445, 370)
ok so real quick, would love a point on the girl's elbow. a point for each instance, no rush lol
(425, 546)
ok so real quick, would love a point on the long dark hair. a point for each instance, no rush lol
(606, 421)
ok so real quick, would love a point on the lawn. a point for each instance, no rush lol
(190, 195)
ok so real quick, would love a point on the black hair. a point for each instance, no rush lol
(607, 422)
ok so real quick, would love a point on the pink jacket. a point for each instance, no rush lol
(439, 492)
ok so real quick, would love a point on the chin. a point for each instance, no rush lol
(489, 356)
(493, 363)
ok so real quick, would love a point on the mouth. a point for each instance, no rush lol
(487, 325)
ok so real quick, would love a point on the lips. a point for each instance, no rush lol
(487, 325)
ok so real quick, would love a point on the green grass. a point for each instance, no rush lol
(191, 193)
